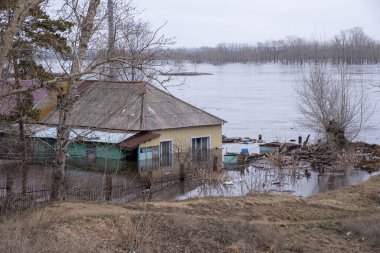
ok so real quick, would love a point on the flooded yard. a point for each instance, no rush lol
(129, 182)
(253, 180)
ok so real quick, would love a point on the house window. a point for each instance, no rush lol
(166, 153)
(200, 148)
(148, 153)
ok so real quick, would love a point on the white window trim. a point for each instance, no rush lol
(166, 140)
(171, 151)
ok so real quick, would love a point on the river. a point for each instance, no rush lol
(261, 99)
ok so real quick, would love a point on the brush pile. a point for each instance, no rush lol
(369, 156)
(358, 155)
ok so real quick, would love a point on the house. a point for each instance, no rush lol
(42, 99)
(135, 120)
(11, 107)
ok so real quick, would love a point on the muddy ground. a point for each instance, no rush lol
(344, 220)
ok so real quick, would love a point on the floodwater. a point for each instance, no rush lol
(131, 184)
(254, 99)
(253, 180)
(261, 99)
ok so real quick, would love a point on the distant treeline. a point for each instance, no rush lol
(351, 46)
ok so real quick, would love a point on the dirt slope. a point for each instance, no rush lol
(345, 220)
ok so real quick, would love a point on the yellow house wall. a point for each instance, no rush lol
(47, 105)
(50, 102)
(158, 171)
(182, 136)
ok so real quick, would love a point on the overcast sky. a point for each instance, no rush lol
(208, 22)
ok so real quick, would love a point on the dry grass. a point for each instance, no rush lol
(208, 176)
(367, 229)
(347, 159)
(257, 223)
(276, 159)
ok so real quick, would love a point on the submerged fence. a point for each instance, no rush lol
(12, 201)
(96, 179)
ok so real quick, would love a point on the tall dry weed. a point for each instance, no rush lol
(366, 228)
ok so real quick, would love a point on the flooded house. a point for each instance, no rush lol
(37, 105)
(42, 99)
(115, 123)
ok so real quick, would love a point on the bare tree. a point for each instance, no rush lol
(90, 21)
(84, 18)
(333, 104)
(139, 52)
(86, 40)
(135, 51)
(144, 50)
(350, 46)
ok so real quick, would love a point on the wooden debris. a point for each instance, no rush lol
(322, 155)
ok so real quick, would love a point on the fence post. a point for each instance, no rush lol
(108, 188)
(215, 164)
(9, 183)
(300, 140)
(24, 180)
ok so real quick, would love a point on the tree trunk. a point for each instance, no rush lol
(111, 39)
(335, 136)
(62, 144)
(22, 140)
(66, 102)
(24, 155)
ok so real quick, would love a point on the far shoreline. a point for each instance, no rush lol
(187, 74)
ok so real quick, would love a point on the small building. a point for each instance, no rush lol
(42, 99)
(135, 121)
(13, 108)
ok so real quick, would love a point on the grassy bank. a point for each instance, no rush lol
(345, 220)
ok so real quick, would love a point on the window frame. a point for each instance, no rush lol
(202, 155)
(169, 155)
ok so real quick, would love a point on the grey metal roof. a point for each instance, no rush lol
(133, 106)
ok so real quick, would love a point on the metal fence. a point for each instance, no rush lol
(11, 201)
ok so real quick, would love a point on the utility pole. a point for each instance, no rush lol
(111, 40)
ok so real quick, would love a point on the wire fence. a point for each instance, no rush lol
(12, 201)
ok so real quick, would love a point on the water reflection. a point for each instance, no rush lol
(251, 180)
(103, 179)
(133, 181)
